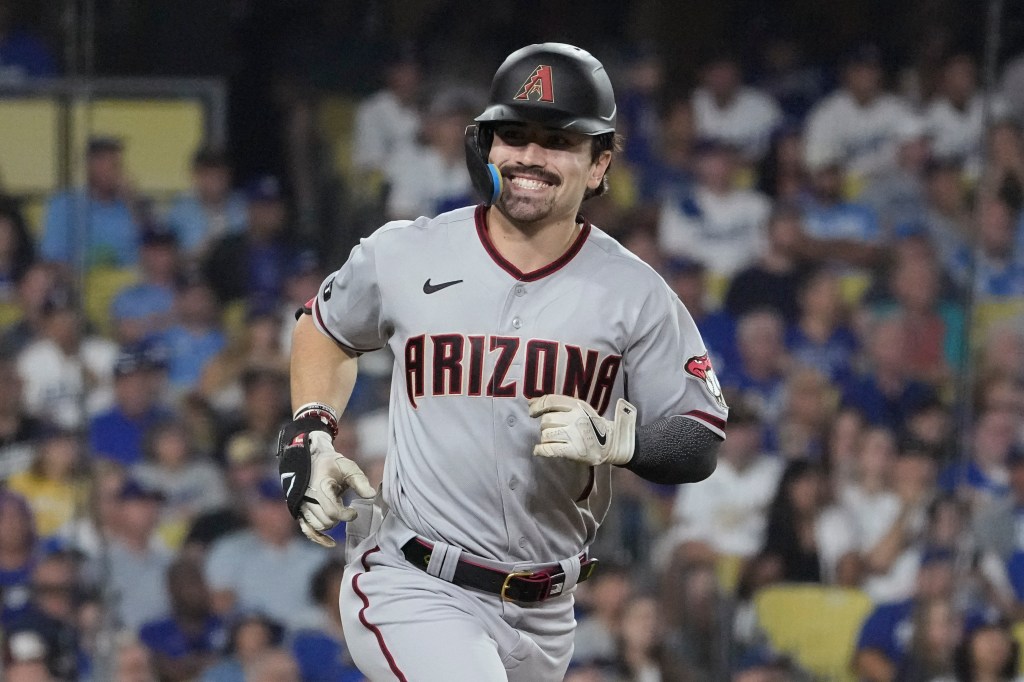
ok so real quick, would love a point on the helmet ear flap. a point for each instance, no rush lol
(485, 176)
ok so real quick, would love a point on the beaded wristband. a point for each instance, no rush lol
(325, 413)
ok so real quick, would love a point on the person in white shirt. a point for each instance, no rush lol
(858, 123)
(727, 110)
(389, 119)
(955, 117)
(64, 371)
(430, 176)
(718, 224)
(726, 514)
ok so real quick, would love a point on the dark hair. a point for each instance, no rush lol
(24, 246)
(606, 142)
(322, 579)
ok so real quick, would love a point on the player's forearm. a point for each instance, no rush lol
(321, 371)
(674, 450)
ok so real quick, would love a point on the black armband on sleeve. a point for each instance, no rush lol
(674, 450)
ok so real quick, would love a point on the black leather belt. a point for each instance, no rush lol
(522, 586)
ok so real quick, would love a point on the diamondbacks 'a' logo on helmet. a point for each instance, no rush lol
(699, 366)
(539, 83)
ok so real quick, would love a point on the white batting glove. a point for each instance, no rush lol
(570, 428)
(314, 478)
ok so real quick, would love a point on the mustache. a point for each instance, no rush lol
(531, 171)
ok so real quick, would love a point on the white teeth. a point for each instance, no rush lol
(528, 183)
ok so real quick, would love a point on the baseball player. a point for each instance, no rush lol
(533, 353)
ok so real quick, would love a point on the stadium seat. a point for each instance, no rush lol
(336, 114)
(816, 625)
(102, 284)
(29, 157)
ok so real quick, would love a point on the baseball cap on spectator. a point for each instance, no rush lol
(133, 489)
(138, 358)
(264, 188)
(864, 54)
(59, 298)
(24, 646)
(210, 157)
(158, 234)
(100, 144)
(684, 265)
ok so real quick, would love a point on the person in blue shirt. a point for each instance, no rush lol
(211, 209)
(885, 639)
(320, 647)
(113, 235)
(821, 338)
(983, 477)
(884, 392)
(144, 310)
(188, 640)
(829, 216)
(196, 336)
(118, 433)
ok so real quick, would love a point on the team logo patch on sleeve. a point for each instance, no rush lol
(699, 366)
(539, 83)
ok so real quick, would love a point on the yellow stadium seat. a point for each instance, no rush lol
(817, 625)
(337, 114)
(29, 155)
(160, 136)
(853, 285)
(1018, 634)
(34, 211)
(102, 284)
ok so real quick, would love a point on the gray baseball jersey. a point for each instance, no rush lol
(473, 338)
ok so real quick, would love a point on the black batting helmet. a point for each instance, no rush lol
(554, 84)
(559, 85)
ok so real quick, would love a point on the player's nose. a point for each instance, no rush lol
(531, 154)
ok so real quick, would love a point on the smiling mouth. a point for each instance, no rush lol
(530, 181)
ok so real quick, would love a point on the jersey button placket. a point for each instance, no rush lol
(517, 323)
(510, 420)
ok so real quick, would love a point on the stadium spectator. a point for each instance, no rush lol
(955, 116)
(55, 485)
(774, 279)
(718, 224)
(810, 406)
(117, 434)
(18, 551)
(251, 265)
(828, 215)
(737, 114)
(301, 283)
(319, 645)
(724, 519)
(885, 393)
(945, 217)
(786, 75)
(888, 633)
(18, 430)
(670, 171)
(638, 97)
(265, 392)
(31, 292)
(601, 605)
(643, 652)
(191, 484)
(388, 120)
(981, 476)
(274, 665)
(998, 262)
(430, 176)
(688, 278)
(244, 569)
(106, 203)
(66, 374)
(807, 537)
(781, 173)
(856, 125)
(760, 375)
(822, 338)
(144, 310)
(185, 641)
(937, 628)
(1004, 155)
(249, 636)
(17, 249)
(211, 209)
(135, 566)
(897, 195)
(257, 345)
(987, 652)
(195, 336)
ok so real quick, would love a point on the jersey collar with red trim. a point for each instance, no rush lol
(550, 268)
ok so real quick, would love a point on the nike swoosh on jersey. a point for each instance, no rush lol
(602, 438)
(291, 479)
(429, 288)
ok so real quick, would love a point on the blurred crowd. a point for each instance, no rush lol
(851, 251)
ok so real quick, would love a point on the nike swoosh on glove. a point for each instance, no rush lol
(311, 460)
(571, 429)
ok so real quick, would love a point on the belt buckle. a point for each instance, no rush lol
(508, 580)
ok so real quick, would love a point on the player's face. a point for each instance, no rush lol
(546, 171)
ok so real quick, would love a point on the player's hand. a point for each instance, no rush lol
(315, 477)
(570, 428)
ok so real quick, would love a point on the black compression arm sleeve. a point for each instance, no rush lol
(674, 450)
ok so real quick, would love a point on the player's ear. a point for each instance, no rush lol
(598, 169)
